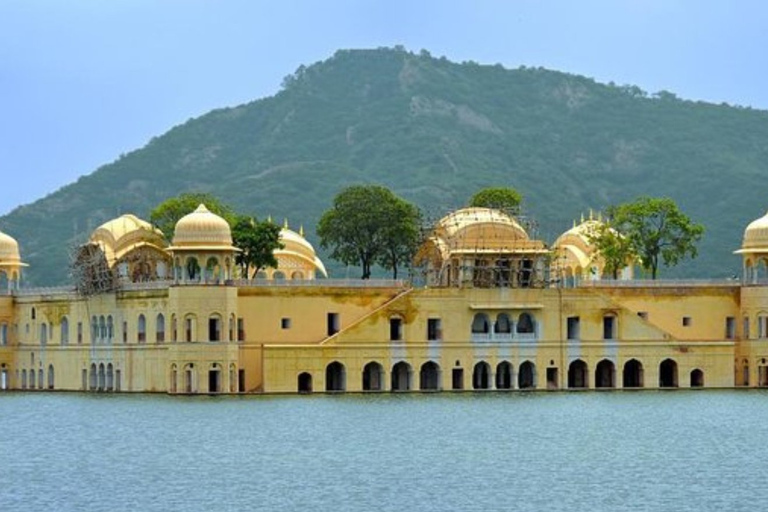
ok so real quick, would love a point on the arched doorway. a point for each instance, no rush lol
(697, 378)
(633, 374)
(481, 376)
(50, 376)
(214, 378)
(605, 374)
(429, 377)
(668, 374)
(305, 382)
(102, 377)
(93, 378)
(526, 377)
(578, 375)
(504, 375)
(373, 377)
(110, 377)
(401, 377)
(335, 377)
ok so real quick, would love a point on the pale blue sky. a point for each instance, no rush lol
(83, 81)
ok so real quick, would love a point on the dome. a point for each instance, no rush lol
(119, 236)
(202, 229)
(756, 236)
(296, 246)
(9, 249)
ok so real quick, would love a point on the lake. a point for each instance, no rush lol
(646, 450)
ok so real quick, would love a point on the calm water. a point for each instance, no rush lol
(702, 450)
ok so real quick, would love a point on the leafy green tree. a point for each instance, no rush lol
(616, 249)
(657, 230)
(166, 214)
(500, 198)
(369, 224)
(257, 242)
(400, 235)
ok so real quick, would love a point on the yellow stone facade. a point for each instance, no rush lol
(498, 311)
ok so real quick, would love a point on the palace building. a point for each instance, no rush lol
(498, 310)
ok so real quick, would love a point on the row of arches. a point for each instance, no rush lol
(189, 270)
(35, 379)
(185, 379)
(101, 377)
(103, 329)
(504, 326)
(430, 378)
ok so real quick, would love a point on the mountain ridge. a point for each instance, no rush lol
(434, 131)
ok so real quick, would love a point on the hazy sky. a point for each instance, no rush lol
(83, 81)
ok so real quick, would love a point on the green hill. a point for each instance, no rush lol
(434, 131)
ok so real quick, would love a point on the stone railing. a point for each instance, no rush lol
(495, 337)
(658, 283)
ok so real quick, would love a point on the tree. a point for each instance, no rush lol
(166, 214)
(616, 249)
(257, 242)
(369, 224)
(657, 230)
(400, 235)
(500, 198)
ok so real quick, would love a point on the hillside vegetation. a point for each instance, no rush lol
(435, 132)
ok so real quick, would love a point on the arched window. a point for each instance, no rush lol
(189, 328)
(526, 377)
(429, 376)
(335, 377)
(3, 334)
(193, 269)
(141, 329)
(297, 275)
(503, 325)
(102, 328)
(668, 374)
(504, 375)
(50, 376)
(697, 378)
(43, 334)
(605, 374)
(31, 379)
(480, 324)
(212, 269)
(525, 324)
(278, 276)
(110, 329)
(401, 377)
(94, 330)
(633, 374)
(578, 375)
(190, 381)
(23, 379)
(64, 327)
(305, 382)
(481, 376)
(102, 377)
(110, 384)
(373, 377)
(93, 380)
(174, 328)
(160, 328)
(174, 379)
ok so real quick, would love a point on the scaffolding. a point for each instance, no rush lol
(89, 270)
(483, 248)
